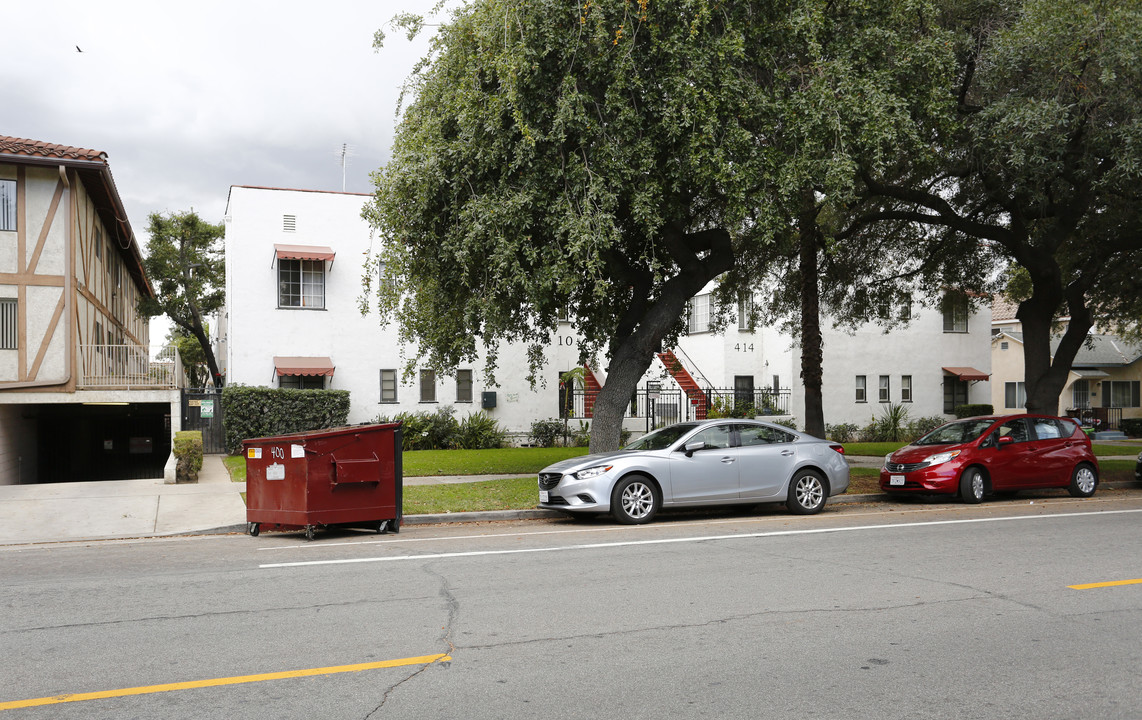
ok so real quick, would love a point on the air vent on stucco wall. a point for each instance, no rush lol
(289, 223)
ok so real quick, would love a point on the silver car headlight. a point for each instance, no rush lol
(592, 472)
(1139, 457)
(941, 457)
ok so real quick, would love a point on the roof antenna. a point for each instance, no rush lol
(344, 153)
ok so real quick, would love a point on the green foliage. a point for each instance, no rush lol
(966, 411)
(889, 427)
(252, 412)
(1132, 426)
(188, 455)
(502, 461)
(186, 266)
(544, 433)
(479, 431)
(727, 406)
(790, 423)
(842, 433)
(922, 426)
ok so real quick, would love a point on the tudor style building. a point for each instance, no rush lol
(81, 398)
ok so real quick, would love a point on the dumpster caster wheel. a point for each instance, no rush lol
(253, 529)
(382, 527)
(308, 532)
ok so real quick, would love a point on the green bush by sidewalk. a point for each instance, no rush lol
(188, 455)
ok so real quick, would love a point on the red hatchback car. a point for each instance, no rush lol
(981, 455)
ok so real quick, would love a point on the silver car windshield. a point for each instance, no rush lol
(661, 439)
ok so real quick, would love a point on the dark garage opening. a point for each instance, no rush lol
(83, 443)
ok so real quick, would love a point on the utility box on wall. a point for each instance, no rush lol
(488, 400)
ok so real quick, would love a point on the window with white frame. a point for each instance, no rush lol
(1120, 393)
(463, 386)
(428, 386)
(745, 309)
(1080, 394)
(9, 328)
(885, 388)
(905, 388)
(7, 204)
(301, 284)
(1014, 395)
(388, 386)
(861, 389)
(700, 314)
(955, 309)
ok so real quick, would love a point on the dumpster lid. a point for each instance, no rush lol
(303, 252)
(304, 366)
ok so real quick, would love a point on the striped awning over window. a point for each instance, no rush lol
(304, 366)
(966, 373)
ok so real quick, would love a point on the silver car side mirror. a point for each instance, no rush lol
(691, 447)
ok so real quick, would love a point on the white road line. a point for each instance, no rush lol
(665, 541)
(394, 540)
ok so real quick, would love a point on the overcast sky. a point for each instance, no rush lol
(190, 98)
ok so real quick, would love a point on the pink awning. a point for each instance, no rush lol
(967, 373)
(304, 366)
(304, 252)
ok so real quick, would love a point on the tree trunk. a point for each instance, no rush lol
(812, 352)
(1044, 375)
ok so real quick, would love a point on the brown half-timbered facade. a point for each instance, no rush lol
(81, 394)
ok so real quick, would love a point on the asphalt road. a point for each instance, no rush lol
(924, 609)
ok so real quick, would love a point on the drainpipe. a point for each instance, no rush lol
(68, 292)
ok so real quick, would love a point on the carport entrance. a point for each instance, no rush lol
(80, 443)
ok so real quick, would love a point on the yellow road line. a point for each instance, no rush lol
(148, 689)
(1090, 586)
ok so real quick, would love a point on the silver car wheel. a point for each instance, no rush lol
(807, 494)
(637, 500)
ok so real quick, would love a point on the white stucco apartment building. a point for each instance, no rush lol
(294, 265)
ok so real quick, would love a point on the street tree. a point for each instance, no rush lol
(610, 160)
(185, 261)
(1041, 167)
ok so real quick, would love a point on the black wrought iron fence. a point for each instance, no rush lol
(663, 407)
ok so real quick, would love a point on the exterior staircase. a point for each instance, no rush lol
(685, 381)
(592, 386)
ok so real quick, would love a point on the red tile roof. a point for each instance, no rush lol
(37, 148)
(1003, 309)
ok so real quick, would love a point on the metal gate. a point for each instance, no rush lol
(202, 410)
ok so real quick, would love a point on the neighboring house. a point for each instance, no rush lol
(294, 266)
(1103, 383)
(80, 398)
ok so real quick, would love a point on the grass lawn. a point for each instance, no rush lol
(504, 461)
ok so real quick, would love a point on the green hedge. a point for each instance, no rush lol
(966, 411)
(188, 455)
(1132, 426)
(259, 412)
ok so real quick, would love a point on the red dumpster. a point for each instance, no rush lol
(350, 477)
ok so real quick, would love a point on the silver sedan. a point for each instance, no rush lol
(693, 464)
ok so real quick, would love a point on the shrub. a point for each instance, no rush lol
(1132, 427)
(921, 427)
(545, 432)
(843, 433)
(790, 423)
(188, 454)
(966, 411)
(723, 406)
(423, 430)
(479, 431)
(892, 422)
(260, 412)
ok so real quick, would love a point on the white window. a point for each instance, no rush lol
(7, 204)
(745, 309)
(463, 386)
(885, 388)
(905, 388)
(388, 386)
(700, 314)
(955, 314)
(1014, 395)
(861, 396)
(1080, 394)
(428, 386)
(9, 329)
(301, 284)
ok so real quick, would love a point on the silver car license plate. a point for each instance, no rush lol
(544, 496)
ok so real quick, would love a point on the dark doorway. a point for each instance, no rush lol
(80, 443)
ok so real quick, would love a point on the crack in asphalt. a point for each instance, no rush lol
(453, 607)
